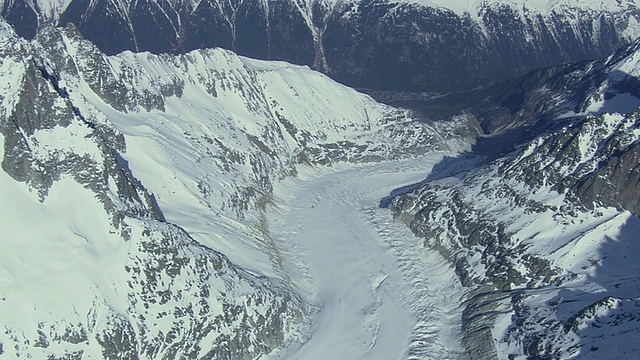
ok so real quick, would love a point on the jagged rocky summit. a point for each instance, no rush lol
(410, 45)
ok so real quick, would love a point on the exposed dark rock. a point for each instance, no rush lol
(105, 25)
(376, 44)
(22, 17)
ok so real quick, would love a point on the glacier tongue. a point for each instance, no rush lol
(380, 293)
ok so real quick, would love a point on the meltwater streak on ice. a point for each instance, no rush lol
(380, 294)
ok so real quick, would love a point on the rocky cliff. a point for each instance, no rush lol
(379, 44)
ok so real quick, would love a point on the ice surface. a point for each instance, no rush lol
(380, 293)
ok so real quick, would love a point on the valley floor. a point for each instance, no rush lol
(380, 294)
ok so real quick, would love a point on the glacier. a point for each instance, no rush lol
(155, 213)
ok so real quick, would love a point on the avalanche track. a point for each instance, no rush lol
(380, 293)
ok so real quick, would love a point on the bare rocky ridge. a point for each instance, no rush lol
(373, 44)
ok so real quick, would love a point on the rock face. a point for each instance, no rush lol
(543, 236)
(377, 44)
(436, 49)
(133, 167)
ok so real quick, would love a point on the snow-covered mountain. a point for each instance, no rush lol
(134, 188)
(207, 205)
(545, 236)
(416, 45)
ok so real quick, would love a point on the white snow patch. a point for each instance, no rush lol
(619, 103)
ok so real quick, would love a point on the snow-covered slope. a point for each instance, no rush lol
(544, 236)
(127, 178)
(90, 268)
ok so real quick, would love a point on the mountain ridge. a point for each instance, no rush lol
(485, 43)
(547, 222)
